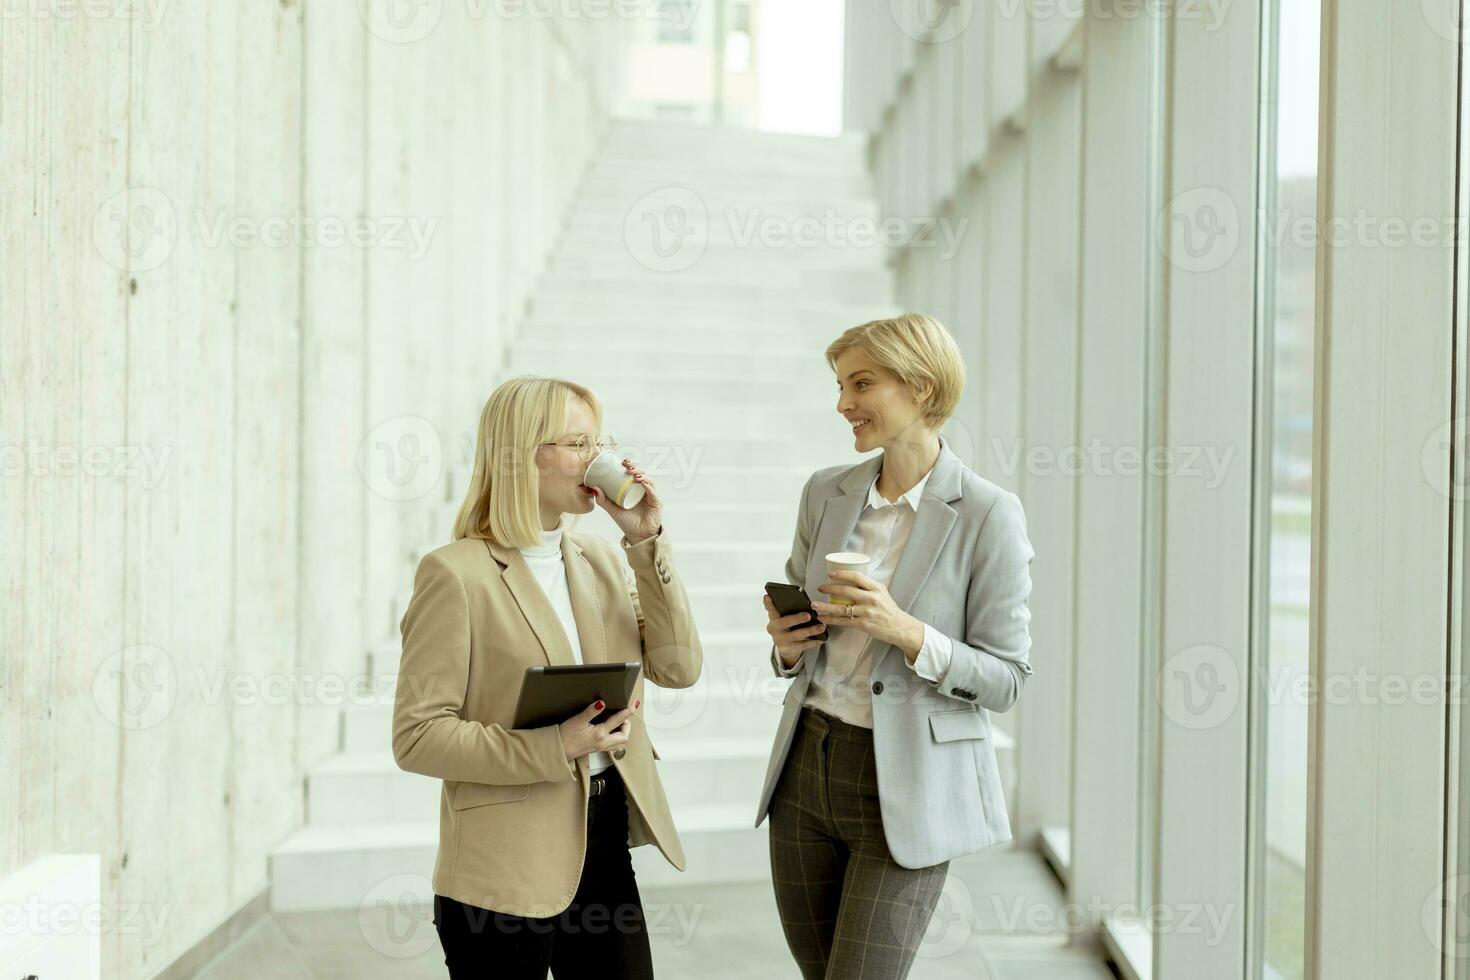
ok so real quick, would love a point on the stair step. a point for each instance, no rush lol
(357, 787)
(591, 364)
(605, 255)
(319, 868)
(738, 200)
(689, 286)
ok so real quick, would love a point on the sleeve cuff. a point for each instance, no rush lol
(934, 656)
(656, 535)
(782, 669)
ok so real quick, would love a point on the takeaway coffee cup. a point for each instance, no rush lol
(846, 561)
(606, 473)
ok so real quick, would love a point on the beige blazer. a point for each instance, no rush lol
(513, 811)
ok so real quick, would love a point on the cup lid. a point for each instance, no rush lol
(849, 558)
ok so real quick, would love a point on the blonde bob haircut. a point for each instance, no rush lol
(503, 501)
(920, 351)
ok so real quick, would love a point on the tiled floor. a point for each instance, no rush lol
(1002, 918)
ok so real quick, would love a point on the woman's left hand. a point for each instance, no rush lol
(641, 522)
(874, 612)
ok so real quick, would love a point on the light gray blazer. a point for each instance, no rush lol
(966, 572)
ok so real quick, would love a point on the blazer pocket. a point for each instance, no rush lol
(468, 795)
(948, 726)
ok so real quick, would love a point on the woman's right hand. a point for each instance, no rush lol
(579, 736)
(791, 634)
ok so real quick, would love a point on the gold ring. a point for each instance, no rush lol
(849, 611)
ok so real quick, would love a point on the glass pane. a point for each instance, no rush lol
(1289, 277)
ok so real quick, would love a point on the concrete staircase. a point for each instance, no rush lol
(712, 378)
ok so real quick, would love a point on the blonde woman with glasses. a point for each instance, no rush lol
(883, 768)
(533, 870)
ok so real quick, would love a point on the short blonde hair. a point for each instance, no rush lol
(503, 500)
(918, 349)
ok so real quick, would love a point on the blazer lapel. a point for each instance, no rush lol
(586, 608)
(932, 524)
(838, 520)
(533, 602)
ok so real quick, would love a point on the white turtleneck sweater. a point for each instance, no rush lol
(546, 564)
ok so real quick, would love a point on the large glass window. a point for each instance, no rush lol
(1287, 323)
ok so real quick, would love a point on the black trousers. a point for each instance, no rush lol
(602, 933)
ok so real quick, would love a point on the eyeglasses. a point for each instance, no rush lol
(586, 449)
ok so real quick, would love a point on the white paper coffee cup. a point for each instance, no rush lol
(606, 473)
(846, 561)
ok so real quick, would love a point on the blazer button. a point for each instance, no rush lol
(619, 752)
(877, 687)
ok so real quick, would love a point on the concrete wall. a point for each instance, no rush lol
(258, 266)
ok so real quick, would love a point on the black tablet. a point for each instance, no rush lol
(551, 695)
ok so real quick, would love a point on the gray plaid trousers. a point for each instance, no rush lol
(849, 911)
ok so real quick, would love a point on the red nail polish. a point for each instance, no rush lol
(598, 706)
(637, 703)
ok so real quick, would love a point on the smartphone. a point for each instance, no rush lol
(790, 600)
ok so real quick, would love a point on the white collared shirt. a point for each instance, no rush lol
(840, 686)
(550, 570)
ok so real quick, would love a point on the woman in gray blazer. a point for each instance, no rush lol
(883, 767)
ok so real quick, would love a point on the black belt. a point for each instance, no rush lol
(603, 782)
